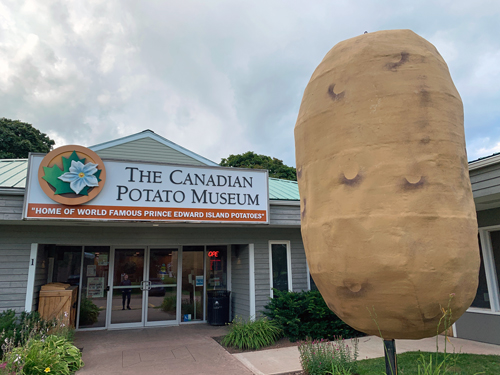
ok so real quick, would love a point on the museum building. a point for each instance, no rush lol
(177, 224)
(151, 228)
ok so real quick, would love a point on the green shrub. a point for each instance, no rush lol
(251, 334)
(53, 354)
(323, 357)
(169, 303)
(188, 308)
(305, 315)
(17, 329)
(89, 312)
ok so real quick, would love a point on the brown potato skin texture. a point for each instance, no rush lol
(388, 218)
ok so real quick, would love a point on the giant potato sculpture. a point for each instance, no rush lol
(388, 218)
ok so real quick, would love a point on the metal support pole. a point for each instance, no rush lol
(391, 365)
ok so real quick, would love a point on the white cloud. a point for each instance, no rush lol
(489, 150)
(217, 77)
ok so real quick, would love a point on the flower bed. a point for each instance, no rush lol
(32, 345)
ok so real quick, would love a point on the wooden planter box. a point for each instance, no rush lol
(59, 301)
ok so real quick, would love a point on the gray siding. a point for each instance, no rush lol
(488, 218)
(262, 276)
(24, 235)
(285, 215)
(262, 283)
(15, 257)
(299, 266)
(240, 290)
(485, 181)
(479, 327)
(11, 207)
(147, 149)
(485, 188)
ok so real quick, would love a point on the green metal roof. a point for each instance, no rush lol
(283, 190)
(13, 172)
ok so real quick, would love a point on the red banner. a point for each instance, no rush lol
(57, 211)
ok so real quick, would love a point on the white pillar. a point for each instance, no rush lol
(30, 287)
(251, 257)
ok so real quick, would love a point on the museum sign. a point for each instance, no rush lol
(72, 182)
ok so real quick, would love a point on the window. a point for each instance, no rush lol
(66, 262)
(280, 266)
(216, 267)
(482, 299)
(488, 296)
(311, 284)
(495, 245)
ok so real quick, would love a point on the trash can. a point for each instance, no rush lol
(218, 307)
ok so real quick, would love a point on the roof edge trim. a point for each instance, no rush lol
(282, 202)
(150, 134)
(12, 191)
(484, 162)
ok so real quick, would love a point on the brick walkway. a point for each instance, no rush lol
(183, 350)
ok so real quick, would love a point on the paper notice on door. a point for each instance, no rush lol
(102, 260)
(95, 287)
(199, 280)
(91, 270)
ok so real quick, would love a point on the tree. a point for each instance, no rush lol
(250, 159)
(18, 139)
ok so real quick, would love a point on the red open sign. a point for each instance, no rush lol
(214, 254)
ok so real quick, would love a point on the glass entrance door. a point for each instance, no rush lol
(127, 288)
(94, 291)
(144, 286)
(161, 287)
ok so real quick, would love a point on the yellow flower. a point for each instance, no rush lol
(47, 369)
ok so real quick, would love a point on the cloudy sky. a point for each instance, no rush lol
(218, 77)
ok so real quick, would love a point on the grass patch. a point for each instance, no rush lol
(466, 364)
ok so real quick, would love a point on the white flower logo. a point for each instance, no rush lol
(80, 175)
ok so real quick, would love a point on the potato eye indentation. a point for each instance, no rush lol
(356, 180)
(333, 95)
(405, 57)
(413, 182)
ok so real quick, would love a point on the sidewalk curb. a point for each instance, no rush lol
(248, 365)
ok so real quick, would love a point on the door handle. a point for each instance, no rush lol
(145, 285)
(107, 288)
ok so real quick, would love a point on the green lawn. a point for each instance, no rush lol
(466, 364)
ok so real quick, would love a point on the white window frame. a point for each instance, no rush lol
(308, 276)
(288, 264)
(251, 279)
(30, 285)
(490, 272)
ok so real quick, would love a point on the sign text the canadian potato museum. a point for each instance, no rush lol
(147, 192)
